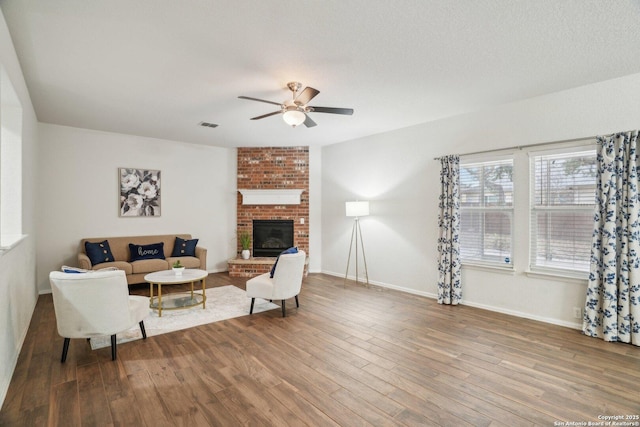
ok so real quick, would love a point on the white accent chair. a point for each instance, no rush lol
(286, 281)
(95, 304)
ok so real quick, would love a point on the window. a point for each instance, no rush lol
(486, 212)
(563, 189)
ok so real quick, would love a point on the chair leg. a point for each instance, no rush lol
(65, 350)
(297, 302)
(283, 311)
(144, 332)
(113, 347)
(251, 309)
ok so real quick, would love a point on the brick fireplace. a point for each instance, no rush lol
(271, 168)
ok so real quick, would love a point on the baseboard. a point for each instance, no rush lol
(385, 285)
(515, 313)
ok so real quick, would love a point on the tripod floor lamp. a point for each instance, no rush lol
(356, 210)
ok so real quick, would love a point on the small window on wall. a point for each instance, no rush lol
(563, 189)
(10, 164)
(486, 208)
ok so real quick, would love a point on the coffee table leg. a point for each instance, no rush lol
(159, 299)
(204, 295)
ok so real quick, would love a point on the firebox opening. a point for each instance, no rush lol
(270, 237)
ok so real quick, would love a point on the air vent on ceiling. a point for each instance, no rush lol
(208, 125)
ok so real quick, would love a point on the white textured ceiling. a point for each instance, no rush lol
(157, 68)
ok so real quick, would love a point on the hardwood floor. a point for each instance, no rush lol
(351, 356)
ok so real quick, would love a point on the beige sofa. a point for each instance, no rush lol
(136, 270)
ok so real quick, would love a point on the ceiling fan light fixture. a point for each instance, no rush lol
(294, 117)
(294, 111)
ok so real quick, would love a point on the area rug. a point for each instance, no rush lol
(225, 302)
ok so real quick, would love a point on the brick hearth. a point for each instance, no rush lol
(239, 267)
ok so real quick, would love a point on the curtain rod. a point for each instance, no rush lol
(520, 147)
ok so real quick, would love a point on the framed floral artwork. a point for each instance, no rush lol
(139, 192)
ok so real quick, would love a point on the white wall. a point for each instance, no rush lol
(315, 209)
(397, 172)
(79, 193)
(18, 293)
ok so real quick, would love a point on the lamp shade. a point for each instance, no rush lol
(357, 208)
(294, 117)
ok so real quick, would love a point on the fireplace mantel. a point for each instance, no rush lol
(271, 197)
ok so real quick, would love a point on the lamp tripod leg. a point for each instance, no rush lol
(353, 230)
(364, 258)
(356, 227)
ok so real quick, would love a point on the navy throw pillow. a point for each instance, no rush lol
(152, 251)
(98, 252)
(293, 250)
(184, 247)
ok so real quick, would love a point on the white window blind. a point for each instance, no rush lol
(486, 212)
(562, 205)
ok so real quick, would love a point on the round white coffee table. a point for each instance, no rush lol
(178, 300)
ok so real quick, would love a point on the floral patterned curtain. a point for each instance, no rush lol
(449, 284)
(612, 309)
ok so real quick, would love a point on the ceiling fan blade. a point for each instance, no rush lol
(345, 111)
(266, 115)
(259, 100)
(308, 122)
(306, 95)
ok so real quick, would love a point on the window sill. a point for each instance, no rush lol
(493, 268)
(557, 276)
(10, 241)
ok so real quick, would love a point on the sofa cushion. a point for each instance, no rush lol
(142, 252)
(183, 247)
(98, 252)
(149, 265)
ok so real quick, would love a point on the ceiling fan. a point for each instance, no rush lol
(295, 111)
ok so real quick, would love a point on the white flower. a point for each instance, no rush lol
(147, 190)
(134, 202)
(129, 181)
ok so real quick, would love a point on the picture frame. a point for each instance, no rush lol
(139, 192)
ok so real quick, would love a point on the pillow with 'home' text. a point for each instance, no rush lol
(141, 252)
